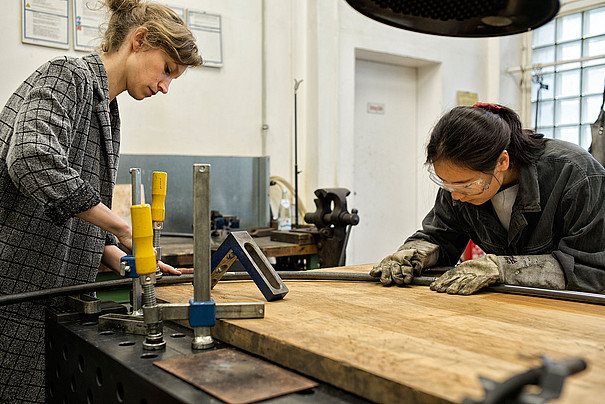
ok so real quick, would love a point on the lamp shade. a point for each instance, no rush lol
(460, 18)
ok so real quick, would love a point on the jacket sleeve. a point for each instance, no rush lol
(580, 251)
(441, 227)
(38, 161)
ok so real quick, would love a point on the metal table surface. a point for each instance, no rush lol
(84, 365)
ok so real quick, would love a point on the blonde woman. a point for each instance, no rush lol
(59, 145)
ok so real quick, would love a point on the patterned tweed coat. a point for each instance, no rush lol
(59, 144)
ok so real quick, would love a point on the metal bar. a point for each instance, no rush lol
(571, 295)
(240, 310)
(136, 295)
(63, 291)
(174, 311)
(202, 338)
(563, 62)
(583, 297)
(135, 181)
(172, 234)
(180, 311)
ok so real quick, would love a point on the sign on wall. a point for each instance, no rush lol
(207, 30)
(45, 22)
(375, 108)
(87, 26)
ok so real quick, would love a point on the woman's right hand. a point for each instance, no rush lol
(409, 260)
(125, 240)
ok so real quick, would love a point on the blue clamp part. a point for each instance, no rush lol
(132, 273)
(254, 261)
(202, 314)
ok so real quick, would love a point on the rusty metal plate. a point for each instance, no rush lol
(235, 377)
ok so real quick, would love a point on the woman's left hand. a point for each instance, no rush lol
(170, 270)
(470, 276)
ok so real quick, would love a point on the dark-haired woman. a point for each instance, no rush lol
(59, 144)
(535, 206)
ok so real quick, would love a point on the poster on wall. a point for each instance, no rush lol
(207, 30)
(45, 22)
(87, 22)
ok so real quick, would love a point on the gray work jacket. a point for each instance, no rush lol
(560, 209)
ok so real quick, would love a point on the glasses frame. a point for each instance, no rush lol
(463, 189)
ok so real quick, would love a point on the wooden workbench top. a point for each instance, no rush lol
(410, 344)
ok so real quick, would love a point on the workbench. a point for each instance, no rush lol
(178, 251)
(410, 344)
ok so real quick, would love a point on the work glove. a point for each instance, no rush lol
(542, 271)
(409, 260)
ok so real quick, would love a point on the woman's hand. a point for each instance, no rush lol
(170, 270)
(103, 217)
(125, 240)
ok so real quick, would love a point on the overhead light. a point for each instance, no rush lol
(460, 18)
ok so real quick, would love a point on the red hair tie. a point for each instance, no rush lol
(488, 107)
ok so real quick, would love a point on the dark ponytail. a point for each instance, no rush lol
(474, 138)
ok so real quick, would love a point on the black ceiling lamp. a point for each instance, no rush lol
(460, 18)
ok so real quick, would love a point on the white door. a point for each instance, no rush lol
(385, 158)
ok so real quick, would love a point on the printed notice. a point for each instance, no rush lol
(88, 19)
(375, 108)
(207, 30)
(45, 22)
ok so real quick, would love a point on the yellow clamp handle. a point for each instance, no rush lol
(142, 237)
(158, 196)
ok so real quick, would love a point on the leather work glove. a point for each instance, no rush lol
(409, 260)
(542, 271)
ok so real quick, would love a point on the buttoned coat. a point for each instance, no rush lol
(59, 145)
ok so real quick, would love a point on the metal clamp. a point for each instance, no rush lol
(202, 314)
(240, 245)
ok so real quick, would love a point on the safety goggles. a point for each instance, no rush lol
(470, 188)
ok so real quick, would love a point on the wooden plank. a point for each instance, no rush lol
(292, 237)
(410, 344)
(179, 250)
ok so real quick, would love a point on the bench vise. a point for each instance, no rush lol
(334, 223)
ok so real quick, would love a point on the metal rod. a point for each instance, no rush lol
(563, 62)
(172, 234)
(136, 300)
(295, 165)
(583, 297)
(202, 338)
(135, 182)
(296, 172)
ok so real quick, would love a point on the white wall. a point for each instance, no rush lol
(266, 45)
(207, 111)
(445, 66)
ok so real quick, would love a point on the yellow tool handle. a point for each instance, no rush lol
(142, 237)
(158, 196)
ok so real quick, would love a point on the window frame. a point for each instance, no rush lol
(553, 72)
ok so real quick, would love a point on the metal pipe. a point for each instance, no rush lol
(136, 300)
(202, 338)
(539, 66)
(572, 295)
(583, 297)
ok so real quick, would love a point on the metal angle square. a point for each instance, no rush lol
(235, 377)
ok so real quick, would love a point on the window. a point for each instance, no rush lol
(568, 95)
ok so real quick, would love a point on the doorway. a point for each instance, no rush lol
(385, 159)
